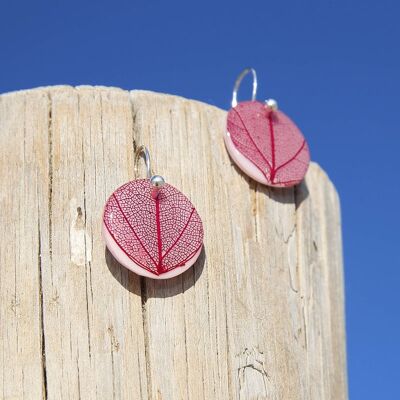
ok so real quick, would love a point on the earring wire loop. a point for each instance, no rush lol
(142, 151)
(239, 81)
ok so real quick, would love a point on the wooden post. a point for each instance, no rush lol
(259, 316)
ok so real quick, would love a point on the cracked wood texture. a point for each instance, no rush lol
(259, 316)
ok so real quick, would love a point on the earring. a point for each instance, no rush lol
(152, 228)
(263, 141)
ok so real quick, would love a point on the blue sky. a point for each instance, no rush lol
(334, 68)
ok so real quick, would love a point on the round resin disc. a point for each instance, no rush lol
(154, 237)
(266, 144)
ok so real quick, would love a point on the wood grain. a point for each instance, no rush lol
(259, 316)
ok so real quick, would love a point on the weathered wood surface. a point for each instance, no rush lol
(260, 316)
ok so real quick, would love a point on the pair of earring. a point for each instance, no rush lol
(154, 230)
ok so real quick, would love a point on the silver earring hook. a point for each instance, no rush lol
(157, 181)
(239, 81)
(142, 151)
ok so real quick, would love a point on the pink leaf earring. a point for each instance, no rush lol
(263, 141)
(152, 228)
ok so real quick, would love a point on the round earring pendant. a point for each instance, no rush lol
(157, 236)
(266, 144)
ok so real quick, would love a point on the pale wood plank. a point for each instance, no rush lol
(94, 332)
(251, 234)
(321, 286)
(23, 160)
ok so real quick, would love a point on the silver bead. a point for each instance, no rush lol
(157, 182)
(272, 104)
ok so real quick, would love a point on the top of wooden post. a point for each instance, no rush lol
(260, 315)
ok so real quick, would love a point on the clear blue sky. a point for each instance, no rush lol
(334, 67)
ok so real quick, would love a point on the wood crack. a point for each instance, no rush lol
(40, 266)
(41, 316)
(87, 261)
(143, 284)
(143, 293)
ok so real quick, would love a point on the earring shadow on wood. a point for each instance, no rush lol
(291, 195)
(158, 288)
